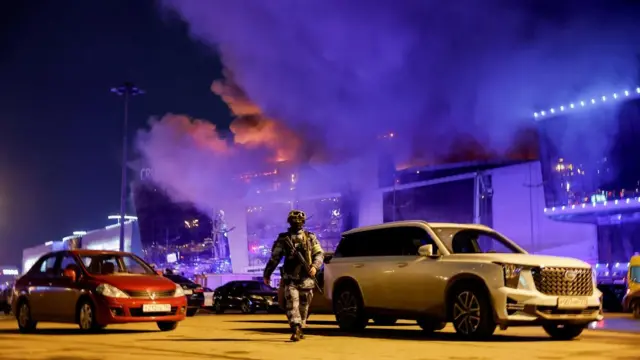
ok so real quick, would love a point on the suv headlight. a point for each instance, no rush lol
(110, 291)
(511, 273)
(179, 292)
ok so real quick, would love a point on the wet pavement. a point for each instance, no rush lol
(253, 337)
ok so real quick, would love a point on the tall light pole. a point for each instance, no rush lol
(127, 90)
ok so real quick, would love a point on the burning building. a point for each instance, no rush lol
(506, 195)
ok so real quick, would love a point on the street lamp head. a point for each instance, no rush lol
(128, 89)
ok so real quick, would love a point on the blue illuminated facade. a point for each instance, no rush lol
(591, 173)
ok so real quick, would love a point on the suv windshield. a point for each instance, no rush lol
(475, 241)
(115, 264)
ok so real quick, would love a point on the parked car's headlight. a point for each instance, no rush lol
(110, 291)
(594, 276)
(511, 273)
(179, 291)
(256, 297)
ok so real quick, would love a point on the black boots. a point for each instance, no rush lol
(297, 333)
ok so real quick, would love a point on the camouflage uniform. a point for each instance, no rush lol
(298, 284)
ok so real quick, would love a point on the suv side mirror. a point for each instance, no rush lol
(426, 250)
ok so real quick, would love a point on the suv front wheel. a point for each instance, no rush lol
(349, 309)
(472, 313)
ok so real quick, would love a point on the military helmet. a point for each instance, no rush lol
(297, 217)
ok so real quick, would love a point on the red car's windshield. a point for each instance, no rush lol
(115, 264)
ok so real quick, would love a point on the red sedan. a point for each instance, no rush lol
(94, 288)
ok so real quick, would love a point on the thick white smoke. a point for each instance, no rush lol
(443, 76)
(360, 68)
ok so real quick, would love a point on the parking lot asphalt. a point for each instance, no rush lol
(252, 337)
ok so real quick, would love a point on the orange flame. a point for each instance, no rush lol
(251, 127)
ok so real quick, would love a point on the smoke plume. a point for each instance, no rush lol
(451, 80)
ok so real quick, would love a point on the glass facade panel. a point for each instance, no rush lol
(444, 202)
(264, 223)
(618, 242)
(589, 155)
(179, 236)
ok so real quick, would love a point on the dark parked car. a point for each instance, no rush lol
(5, 299)
(192, 291)
(247, 296)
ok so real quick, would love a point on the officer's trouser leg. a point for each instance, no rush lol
(292, 296)
(306, 296)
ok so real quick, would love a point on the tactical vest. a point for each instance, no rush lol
(293, 267)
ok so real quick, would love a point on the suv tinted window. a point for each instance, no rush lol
(365, 243)
(407, 240)
(393, 241)
(347, 246)
(376, 243)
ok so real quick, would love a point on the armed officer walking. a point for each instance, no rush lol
(303, 258)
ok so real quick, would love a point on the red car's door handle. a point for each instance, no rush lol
(358, 265)
(402, 264)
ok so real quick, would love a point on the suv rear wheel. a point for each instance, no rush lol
(472, 313)
(349, 309)
(563, 332)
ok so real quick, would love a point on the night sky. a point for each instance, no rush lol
(476, 70)
(60, 127)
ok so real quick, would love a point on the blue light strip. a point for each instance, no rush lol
(628, 203)
(624, 95)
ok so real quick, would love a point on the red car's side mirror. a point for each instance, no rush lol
(70, 274)
(159, 272)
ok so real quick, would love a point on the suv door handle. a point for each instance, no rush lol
(403, 264)
(358, 265)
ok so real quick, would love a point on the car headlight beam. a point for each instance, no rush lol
(111, 291)
(179, 291)
(511, 273)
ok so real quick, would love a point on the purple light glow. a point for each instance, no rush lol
(603, 99)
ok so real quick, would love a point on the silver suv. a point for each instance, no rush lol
(466, 274)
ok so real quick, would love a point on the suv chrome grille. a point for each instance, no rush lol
(150, 294)
(563, 281)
